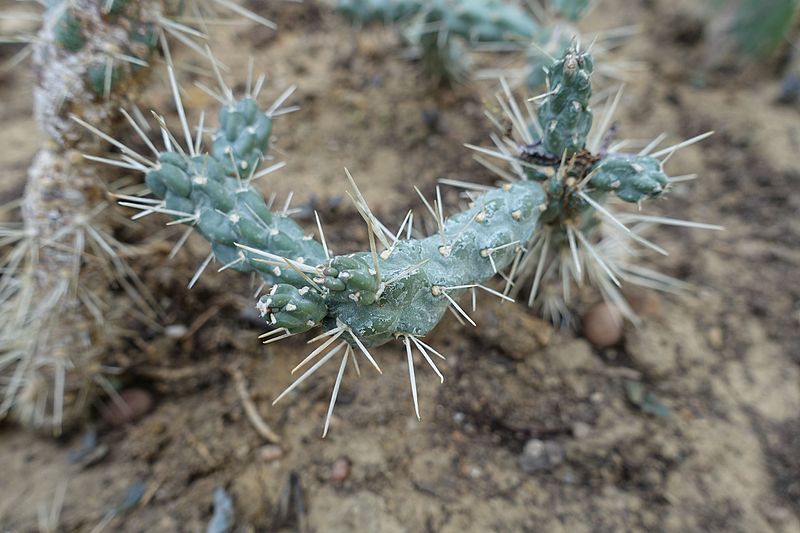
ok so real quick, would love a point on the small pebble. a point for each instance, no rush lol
(715, 338)
(602, 325)
(340, 470)
(138, 403)
(175, 331)
(539, 456)
(581, 430)
(270, 452)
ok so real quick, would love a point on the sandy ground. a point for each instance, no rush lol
(724, 358)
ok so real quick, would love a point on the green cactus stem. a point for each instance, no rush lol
(580, 235)
(402, 289)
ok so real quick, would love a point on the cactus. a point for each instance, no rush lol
(401, 288)
(579, 236)
(441, 32)
(91, 57)
(755, 28)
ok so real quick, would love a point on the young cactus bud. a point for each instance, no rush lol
(293, 309)
(631, 177)
(351, 277)
(565, 115)
(242, 137)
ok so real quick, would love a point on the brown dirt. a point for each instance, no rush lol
(723, 359)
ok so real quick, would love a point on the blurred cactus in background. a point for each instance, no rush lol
(443, 32)
(60, 265)
(756, 28)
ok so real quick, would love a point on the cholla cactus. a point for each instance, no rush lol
(753, 28)
(90, 57)
(579, 237)
(401, 287)
(442, 33)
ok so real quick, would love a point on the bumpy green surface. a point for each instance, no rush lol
(408, 297)
(565, 115)
(407, 291)
(631, 177)
(415, 303)
(242, 137)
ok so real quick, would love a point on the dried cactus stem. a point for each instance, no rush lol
(55, 336)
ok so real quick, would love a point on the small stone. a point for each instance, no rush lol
(776, 514)
(270, 452)
(602, 325)
(540, 456)
(715, 337)
(340, 470)
(517, 334)
(131, 405)
(581, 430)
(175, 331)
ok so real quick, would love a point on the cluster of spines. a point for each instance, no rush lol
(578, 235)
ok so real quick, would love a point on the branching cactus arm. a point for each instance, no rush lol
(402, 289)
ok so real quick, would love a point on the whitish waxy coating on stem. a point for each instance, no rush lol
(460, 256)
(419, 275)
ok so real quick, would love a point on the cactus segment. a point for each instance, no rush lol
(565, 115)
(631, 178)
